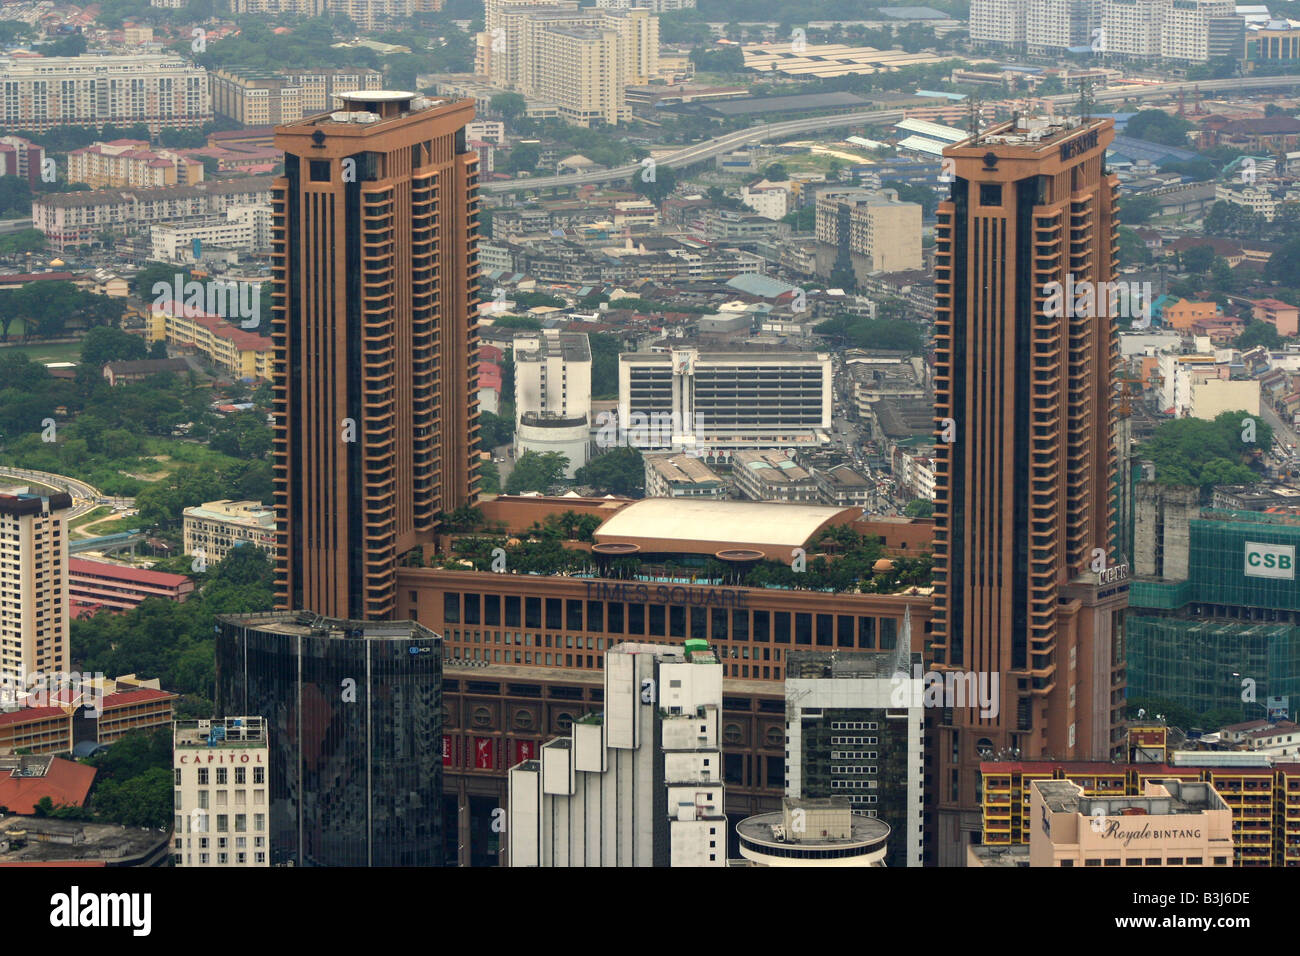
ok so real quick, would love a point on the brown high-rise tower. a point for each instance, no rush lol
(1025, 407)
(374, 322)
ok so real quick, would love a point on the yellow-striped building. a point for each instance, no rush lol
(244, 354)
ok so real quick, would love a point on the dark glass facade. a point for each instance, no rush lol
(354, 713)
(861, 753)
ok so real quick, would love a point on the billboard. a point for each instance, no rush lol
(1270, 560)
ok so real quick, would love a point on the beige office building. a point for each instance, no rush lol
(1174, 823)
(33, 585)
(220, 770)
(875, 224)
(681, 476)
(216, 527)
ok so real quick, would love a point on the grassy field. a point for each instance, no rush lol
(88, 517)
(56, 352)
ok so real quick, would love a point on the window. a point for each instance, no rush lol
(320, 173)
(533, 612)
(1067, 863)
(241, 775)
(554, 614)
(241, 822)
(222, 774)
(990, 194)
(177, 776)
(203, 776)
(223, 822)
(803, 628)
(573, 615)
(451, 607)
(657, 620)
(1092, 862)
(259, 775)
(224, 858)
(259, 822)
(781, 627)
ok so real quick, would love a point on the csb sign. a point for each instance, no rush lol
(1270, 560)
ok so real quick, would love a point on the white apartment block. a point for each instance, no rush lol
(220, 770)
(1151, 29)
(654, 6)
(215, 528)
(768, 200)
(73, 219)
(1258, 200)
(33, 585)
(580, 59)
(553, 395)
(998, 21)
(1053, 25)
(855, 728)
(1185, 28)
(245, 227)
(486, 131)
(1132, 27)
(713, 402)
(38, 94)
(641, 784)
(129, 162)
(302, 8)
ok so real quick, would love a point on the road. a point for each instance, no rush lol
(85, 497)
(784, 130)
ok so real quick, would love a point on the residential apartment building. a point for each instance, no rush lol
(39, 94)
(715, 402)
(579, 59)
(1188, 30)
(874, 224)
(272, 98)
(553, 394)
(360, 480)
(640, 784)
(34, 596)
(772, 475)
(22, 158)
(215, 528)
(845, 487)
(241, 353)
(681, 476)
(221, 792)
(74, 219)
(130, 162)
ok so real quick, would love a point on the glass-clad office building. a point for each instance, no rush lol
(354, 712)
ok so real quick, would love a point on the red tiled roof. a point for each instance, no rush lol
(31, 714)
(66, 783)
(122, 573)
(140, 696)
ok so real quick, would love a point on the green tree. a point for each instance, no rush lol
(509, 106)
(102, 345)
(1136, 210)
(662, 182)
(1198, 259)
(524, 158)
(919, 508)
(536, 471)
(1284, 265)
(1258, 333)
(494, 430)
(1157, 126)
(620, 471)
(1194, 452)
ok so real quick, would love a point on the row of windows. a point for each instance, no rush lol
(659, 620)
(858, 769)
(241, 775)
(853, 784)
(223, 859)
(1150, 861)
(853, 755)
(853, 725)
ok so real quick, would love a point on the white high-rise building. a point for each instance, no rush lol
(855, 728)
(1054, 25)
(710, 403)
(553, 394)
(221, 770)
(1185, 30)
(1132, 27)
(33, 586)
(998, 21)
(641, 784)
